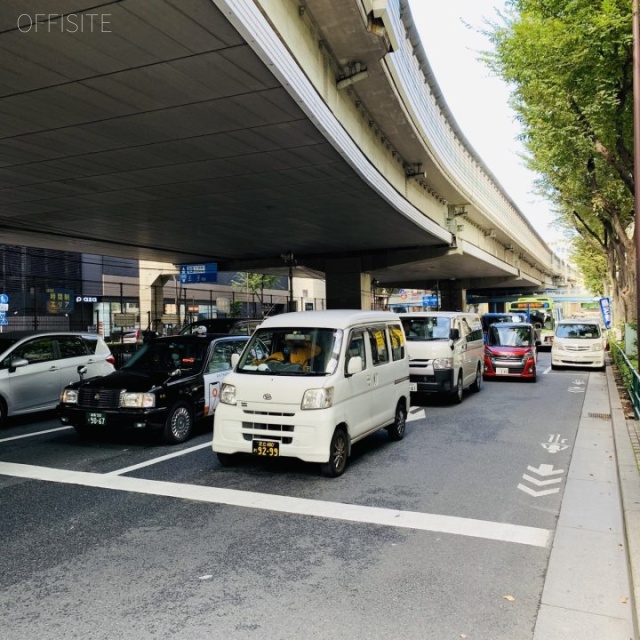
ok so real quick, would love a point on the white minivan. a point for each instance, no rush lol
(578, 343)
(329, 379)
(446, 352)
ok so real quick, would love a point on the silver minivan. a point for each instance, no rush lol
(36, 366)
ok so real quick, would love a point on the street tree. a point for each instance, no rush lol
(570, 69)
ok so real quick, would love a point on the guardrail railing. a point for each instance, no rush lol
(630, 377)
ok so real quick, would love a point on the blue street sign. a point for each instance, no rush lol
(430, 301)
(3, 318)
(4, 298)
(198, 272)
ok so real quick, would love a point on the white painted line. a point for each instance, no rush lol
(34, 434)
(546, 370)
(148, 463)
(540, 483)
(416, 413)
(537, 494)
(285, 504)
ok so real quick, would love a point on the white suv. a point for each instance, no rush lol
(36, 366)
(578, 343)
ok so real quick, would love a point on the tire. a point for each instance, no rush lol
(179, 424)
(397, 430)
(82, 431)
(477, 383)
(338, 450)
(226, 459)
(3, 414)
(458, 392)
(554, 367)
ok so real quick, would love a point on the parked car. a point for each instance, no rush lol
(36, 365)
(220, 325)
(487, 319)
(329, 379)
(445, 352)
(578, 343)
(168, 385)
(511, 351)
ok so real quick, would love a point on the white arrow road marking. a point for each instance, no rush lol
(545, 470)
(540, 483)
(537, 494)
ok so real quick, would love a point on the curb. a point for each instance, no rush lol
(627, 446)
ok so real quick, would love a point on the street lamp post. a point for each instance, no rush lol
(290, 261)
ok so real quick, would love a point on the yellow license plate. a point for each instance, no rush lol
(266, 448)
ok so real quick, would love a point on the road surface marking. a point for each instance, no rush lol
(502, 532)
(148, 463)
(35, 433)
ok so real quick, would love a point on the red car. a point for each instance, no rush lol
(511, 351)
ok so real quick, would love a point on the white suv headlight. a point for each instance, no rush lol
(317, 398)
(69, 396)
(131, 400)
(228, 394)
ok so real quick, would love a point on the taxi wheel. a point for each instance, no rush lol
(179, 424)
(338, 450)
(3, 414)
(397, 429)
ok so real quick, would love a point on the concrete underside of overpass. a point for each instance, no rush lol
(162, 135)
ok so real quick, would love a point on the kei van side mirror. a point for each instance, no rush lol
(354, 365)
(235, 358)
(454, 334)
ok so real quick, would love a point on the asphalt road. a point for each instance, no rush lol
(444, 535)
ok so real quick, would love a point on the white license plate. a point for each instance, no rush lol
(502, 371)
(413, 386)
(96, 418)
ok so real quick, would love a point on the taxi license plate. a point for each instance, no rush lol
(96, 418)
(266, 448)
(502, 371)
(413, 386)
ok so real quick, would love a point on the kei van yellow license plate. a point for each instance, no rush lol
(266, 448)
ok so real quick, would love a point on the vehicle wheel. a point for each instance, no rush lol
(179, 424)
(554, 367)
(82, 430)
(3, 414)
(226, 459)
(477, 384)
(459, 391)
(337, 455)
(399, 426)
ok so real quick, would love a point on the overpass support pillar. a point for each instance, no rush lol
(347, 286)
(153, 277)
(453, 295)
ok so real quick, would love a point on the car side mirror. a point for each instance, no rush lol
(454, 334)
(354, 365)
(82, 371)
(235, 358)
(17, 362)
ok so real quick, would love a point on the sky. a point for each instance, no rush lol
(479, 100)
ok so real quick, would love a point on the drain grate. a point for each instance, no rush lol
(604, 416)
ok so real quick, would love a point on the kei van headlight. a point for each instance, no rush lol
(69, 396)
(597, 346)
(228, 394)
(443, 363)
(131, 400)
(317, 398)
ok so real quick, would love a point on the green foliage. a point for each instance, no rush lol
(253, 283)
(569, 64)
(592, 264)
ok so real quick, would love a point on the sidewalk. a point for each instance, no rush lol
(594, 567)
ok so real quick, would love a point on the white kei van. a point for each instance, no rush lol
(329, 379)
(446, 352)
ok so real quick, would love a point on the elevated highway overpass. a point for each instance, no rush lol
(240, 131)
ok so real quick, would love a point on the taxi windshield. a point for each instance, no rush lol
(311, 351)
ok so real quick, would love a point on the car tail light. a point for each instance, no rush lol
(111, 360)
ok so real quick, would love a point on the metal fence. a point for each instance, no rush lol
(630, 377)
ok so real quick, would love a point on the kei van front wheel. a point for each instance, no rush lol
(338, 450)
